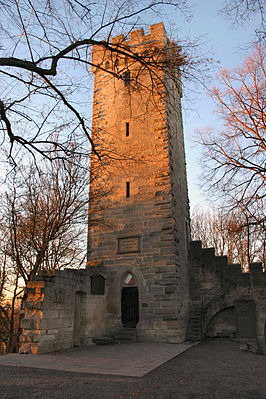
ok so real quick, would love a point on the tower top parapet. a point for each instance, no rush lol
(138, 41)
(156, 33)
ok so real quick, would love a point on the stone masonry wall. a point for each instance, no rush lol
(179, 191)
(156, 211)
(216, 285)
(60, 312)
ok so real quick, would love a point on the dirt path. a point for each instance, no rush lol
(212, 370)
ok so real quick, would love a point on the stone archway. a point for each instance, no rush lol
(222, 323)
(129, 301)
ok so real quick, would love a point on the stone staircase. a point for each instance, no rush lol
(104, 341)
(194, 327)
(120, 336)
(125, 335)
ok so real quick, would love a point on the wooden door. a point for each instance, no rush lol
(130, 307)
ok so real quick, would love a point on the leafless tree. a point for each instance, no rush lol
(242, 11)
(231, 234)
(43, 227)
(9, 293)
(46, 67)
(44, 217)
(4, 317)
(234, 155)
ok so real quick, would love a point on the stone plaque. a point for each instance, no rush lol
(128, 244)
(245, 319)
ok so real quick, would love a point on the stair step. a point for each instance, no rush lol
(125, 335)
(194, 326)
(103, 341)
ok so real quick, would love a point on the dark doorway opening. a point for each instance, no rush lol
(130, 307)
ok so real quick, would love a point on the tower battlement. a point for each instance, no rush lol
(156, 33)
(138, 42)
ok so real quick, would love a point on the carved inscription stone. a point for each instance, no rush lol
(128, 245)
(245, 319)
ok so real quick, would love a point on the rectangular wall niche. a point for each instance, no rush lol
(245, 319)
(128, 245)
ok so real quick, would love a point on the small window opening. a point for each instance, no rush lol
(97, 285)
(127, 129)
(126, 78)
(127, 189)
(107, 65)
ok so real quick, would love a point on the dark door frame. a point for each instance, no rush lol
(130, 306)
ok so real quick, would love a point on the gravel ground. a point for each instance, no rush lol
(214, 369)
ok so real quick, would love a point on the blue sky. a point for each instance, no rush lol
(226, 44)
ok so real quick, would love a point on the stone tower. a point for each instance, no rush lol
(138, 239)
(136, 284)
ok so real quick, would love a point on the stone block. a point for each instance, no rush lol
(51, 314)
(43, 347)
(35, 348)
(165, 310)
(25, 348)
(36, 284)
(33, 304)
(27, 324)
(168, 304)
(173, 324)
(49, 324)
(175, 340)
(156, 290)
(170, 290)
(162, 333)
(66, 314)
(45, 338)
(157, 324)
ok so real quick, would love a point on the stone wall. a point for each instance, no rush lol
(216, 287)
(60, 312)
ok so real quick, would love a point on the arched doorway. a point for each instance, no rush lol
(129, 302)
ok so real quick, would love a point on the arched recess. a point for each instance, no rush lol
(222, 323)
(129, 300)
(79, 318)
(214, 306)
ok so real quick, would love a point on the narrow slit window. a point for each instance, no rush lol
(127, 129)
(126, 78)
(127, 189)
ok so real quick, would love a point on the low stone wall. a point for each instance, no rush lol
(216, 286)
(60, 312)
